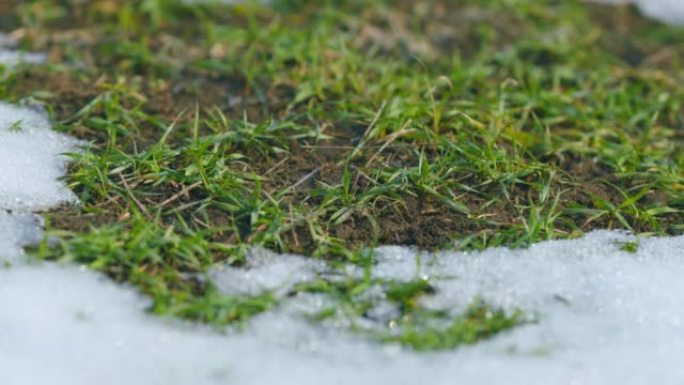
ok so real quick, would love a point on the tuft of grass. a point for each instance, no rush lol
(478, 323)
(166, 265)
(630, 247)
(413, 326)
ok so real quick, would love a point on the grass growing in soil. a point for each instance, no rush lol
(323, 128)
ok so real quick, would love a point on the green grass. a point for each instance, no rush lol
(630, 247)
(478, 323)
(325, 128)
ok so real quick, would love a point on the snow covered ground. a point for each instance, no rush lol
(603, 315)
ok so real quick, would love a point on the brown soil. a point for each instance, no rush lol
(68, 93)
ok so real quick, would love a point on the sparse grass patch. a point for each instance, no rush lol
(478, 323)
(165, 264)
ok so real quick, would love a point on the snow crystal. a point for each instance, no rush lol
(31, 161)
(266, 271)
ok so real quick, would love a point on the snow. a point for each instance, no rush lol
(13, 58)
(16, 231)
(9, 57)
(667, 11)
(31, 160)
(266, 271)
(619, 322)
(602, 315)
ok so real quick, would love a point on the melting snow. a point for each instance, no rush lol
(16, 231)
(13, 58)
(605, 316)
(668, 11)
(10, 57)
(266, 271)
(31, 160)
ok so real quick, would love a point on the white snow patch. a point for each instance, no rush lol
(668, 11)
(10, 57)
(266, 271)
(619, 322)
(64, 326)
(16, 231)
(604, 315)
(31, 161)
